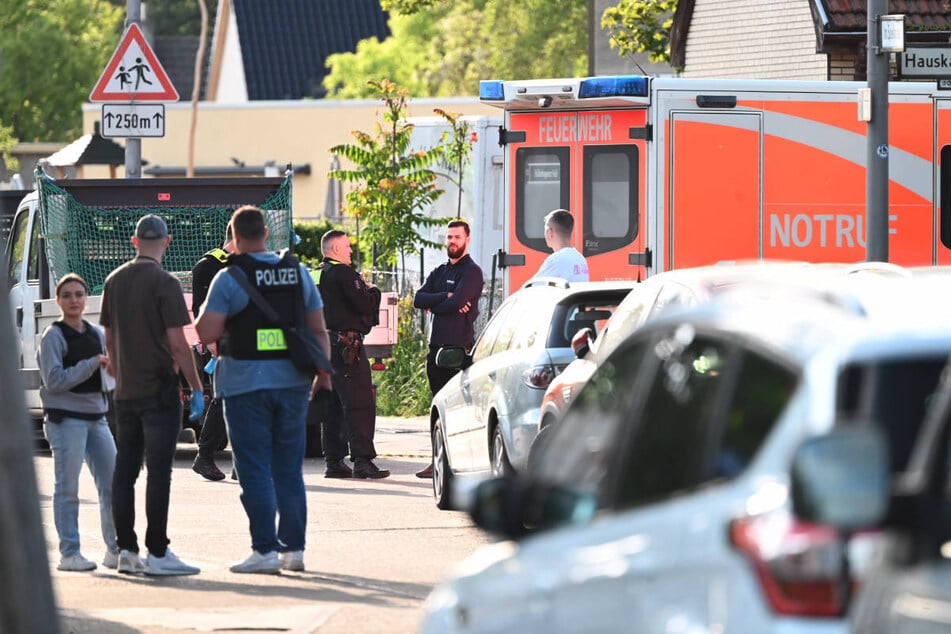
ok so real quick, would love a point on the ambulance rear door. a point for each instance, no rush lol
(591, 162)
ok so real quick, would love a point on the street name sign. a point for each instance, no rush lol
(925, 61)
(133, 120)
(134, 73)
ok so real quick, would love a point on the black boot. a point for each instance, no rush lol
(206, 468)
(364, 468)
(337, 469)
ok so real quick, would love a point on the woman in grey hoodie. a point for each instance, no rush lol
(75, 401)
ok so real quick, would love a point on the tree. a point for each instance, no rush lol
(395, 186)
(51, 54)
(641, 26)
(7, 142)
(440, 48)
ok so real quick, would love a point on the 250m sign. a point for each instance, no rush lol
(133, 120)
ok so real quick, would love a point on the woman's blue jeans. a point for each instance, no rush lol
(72, 441)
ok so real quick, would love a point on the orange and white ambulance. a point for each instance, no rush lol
(665, 172)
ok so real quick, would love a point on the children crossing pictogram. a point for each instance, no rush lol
(134, 73)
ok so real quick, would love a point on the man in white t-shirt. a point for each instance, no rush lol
(565, 262)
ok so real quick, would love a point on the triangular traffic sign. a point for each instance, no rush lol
(134, 73)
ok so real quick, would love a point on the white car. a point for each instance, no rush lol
(483, 421)
(661, 503)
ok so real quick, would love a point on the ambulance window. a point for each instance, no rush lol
(945, 210)
(610, 197)
(542, 182)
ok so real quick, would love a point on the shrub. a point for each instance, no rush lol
(402, 389)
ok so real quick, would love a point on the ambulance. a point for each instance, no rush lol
(666, 172)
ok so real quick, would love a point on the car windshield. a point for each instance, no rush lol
(583, 443)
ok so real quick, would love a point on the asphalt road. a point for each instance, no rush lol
(374, 551)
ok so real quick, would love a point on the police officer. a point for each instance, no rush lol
(265, 394)
(351, 309)
(213, 433)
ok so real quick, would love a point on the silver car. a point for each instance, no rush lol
(485, 418)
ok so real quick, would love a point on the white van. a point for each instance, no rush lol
(662, 502)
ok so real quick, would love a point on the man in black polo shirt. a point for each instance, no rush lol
(451, 293)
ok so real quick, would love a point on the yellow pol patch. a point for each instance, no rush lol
(271, 339)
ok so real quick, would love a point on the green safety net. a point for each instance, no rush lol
(93, 241)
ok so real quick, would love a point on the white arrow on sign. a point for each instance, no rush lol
(133, 120)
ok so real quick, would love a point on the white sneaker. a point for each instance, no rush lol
(76, 563)
(267, 563)
(168, 566)
(111, 559)
(292, 560)
(129, 563)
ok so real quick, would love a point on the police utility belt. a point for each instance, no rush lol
(349, 342)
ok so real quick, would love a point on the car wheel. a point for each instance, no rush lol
(501, 466)
(442, 474)
(537, 448)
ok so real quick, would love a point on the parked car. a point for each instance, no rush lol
(484, 419)
(865, 476)
(661, 502)
(676, 289)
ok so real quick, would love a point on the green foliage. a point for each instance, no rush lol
(397, 58)
(395, 187)
(439, 48)
(402, 389)
(310, 233)
(7, 141)
(456, 148)
(51, 54)
(641, 26)
(407, 7)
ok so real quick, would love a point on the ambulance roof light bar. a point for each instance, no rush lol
(491, 90)
(618, 86)
(592, 87)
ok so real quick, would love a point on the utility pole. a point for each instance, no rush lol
(133, 146)
(876, 187)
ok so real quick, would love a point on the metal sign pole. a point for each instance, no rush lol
(876, 188)
(133, 146)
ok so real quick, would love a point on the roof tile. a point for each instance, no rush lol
(285, 43)
(852, 15)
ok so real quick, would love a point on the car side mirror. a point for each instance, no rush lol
(454, 357)
(513, 506)
(842, 478)
(581, 342)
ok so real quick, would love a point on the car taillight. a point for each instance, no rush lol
(797, 563)
(540, 376)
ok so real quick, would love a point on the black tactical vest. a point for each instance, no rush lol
(79, 346)
(248, 334)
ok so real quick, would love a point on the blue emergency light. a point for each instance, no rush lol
(618, 86)
(491, 90)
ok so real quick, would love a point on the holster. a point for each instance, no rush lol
(349, 347)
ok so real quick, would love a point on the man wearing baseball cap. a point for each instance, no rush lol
(143, 314)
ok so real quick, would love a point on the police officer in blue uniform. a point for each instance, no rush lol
(351, 309)
(265, 394)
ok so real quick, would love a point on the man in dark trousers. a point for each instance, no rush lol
(213, 433)
(351, 309)
(451, 293)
